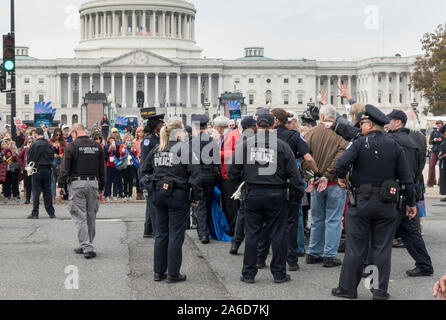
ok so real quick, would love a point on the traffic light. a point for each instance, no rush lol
(8, 52)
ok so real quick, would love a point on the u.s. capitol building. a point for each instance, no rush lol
(143, 53)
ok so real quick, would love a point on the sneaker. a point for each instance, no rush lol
(331, 262)
(27, 201)
(5, 201)
(31, 216)
(17, 200)
(115, 199)
(107, 199)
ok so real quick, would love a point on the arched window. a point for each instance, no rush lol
(269, 99)
(64, 119)
(75, 119)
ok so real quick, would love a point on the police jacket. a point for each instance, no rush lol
(41, 153)
(206, 153)
(420, 140)
(293, 139)
(173, 162)
(265, 160)
(84, 158)
(415, 158)
(148, 143)
(376, 158)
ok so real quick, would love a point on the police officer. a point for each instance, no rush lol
(300, 150)
(407, 228)
(378, 161)
(249, 126)
(83, 169)
(173, 175)
(264, 163)
(152, 130)
(206, 154)
(41, 153)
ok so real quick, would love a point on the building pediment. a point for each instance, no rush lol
(139, 58)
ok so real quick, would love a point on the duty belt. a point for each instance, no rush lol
(265, 186)
(84, 179)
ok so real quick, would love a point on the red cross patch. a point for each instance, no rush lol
(393, 191)
(165, 186)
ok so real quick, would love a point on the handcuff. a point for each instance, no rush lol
(30, 168)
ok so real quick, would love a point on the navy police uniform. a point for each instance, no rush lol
(206, 154)
(150, 141)
(376, 159)
(172, 178)
(299, 148)
(239, 232)
(407, 228)
(264, 163)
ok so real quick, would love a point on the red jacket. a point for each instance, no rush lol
(228, 148)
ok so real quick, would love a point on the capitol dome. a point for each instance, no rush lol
(110, 28)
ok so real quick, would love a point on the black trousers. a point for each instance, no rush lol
(149, 224)
(128, 176)
(27, 182)
(412, 239)
(172, 214)
(378, 219)
(265, 209)
(11, 185)
(292, 227)
(41, 183)
(203, 212)
(230, 206)
(239, 234)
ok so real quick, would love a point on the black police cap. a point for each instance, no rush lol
(265, 120)
(398, 115)
(156, 117)
(373, 114)
(248, 121)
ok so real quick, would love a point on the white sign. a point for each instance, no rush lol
(18, 122)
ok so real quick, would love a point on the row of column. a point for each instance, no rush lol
(347, 80)
(369, 92)
(134, 76)
(143, 23)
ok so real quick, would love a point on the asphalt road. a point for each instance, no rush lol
(35, 255)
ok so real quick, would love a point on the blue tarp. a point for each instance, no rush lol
(219, 225)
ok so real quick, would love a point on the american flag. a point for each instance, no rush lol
(142, 31)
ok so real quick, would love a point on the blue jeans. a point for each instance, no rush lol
(111, 181)
(327, 209)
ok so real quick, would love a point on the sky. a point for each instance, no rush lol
(287, 29)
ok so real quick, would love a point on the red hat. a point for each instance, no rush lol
(23, 126)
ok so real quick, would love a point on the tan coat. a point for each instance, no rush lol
(326, 147)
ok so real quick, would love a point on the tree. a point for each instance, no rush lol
(429, 75)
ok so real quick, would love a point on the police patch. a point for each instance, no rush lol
(146, 142)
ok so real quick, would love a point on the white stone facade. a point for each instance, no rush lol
(164, 67)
